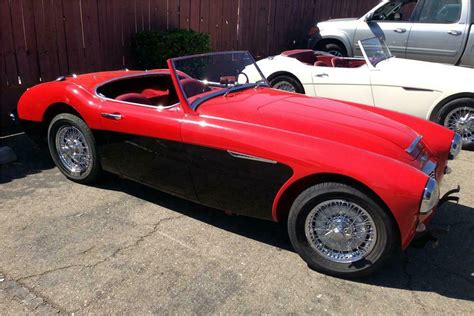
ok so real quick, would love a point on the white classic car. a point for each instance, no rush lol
(436, 92)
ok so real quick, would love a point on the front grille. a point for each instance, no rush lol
(430, 168)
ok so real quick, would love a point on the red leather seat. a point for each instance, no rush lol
(153, 93)
(303, 55)
(321, 64)
(134, 98)
(193, 87)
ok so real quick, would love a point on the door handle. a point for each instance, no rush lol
(454, 32)
(400, 30)
(112, 116)
(322, 75)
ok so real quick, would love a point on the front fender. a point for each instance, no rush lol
(398, 184)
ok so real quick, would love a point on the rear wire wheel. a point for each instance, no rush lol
(72, 147)
(287, 83)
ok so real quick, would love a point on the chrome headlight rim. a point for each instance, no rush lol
(430, 197)
(456, 146)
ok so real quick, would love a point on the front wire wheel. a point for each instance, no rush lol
(461, 120)
(341, 231)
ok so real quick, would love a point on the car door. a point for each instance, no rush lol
(144, 143)
(436, 34)
(226, 177)
(392, 22)
(347, 84)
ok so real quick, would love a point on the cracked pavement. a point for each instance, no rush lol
(120, 247)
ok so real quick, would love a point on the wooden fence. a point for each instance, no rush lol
(42, 39)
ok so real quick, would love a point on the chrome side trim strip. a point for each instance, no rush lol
(413, 145)
(417, 89)
(248, 157)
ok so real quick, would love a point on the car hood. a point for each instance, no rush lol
(426, 75)
(318, 118)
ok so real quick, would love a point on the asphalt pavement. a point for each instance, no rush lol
(120, 247)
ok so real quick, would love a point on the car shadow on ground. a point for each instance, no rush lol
(31, 159)
(447, 270)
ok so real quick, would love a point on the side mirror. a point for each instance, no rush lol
(369, 17)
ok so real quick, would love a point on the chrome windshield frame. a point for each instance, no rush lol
(196, 103)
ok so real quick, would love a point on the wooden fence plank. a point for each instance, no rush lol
(74, 38)
(204, 21)
(195, 15)
(25, 43)
(173, 14)
(7, 47)
(184, 14)
(215, 23)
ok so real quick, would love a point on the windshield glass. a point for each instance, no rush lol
(375, 50)
(206, 76)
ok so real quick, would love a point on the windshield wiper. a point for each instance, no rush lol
(258, 84)
(238, 88)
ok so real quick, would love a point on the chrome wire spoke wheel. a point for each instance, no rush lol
(341, 231)
(461, 120)
(285, 86)
(73, 150)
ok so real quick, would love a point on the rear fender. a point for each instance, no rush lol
(34, 103)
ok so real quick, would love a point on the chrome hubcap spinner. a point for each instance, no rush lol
(461, 120)
(340, 231)
(285, 86)
(73, 150)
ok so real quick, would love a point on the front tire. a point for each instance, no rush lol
(287, 83)
(72, 147)
(341, 231)
(458, 115)
(334, 49)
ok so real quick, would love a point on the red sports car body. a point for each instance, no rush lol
(248, 149)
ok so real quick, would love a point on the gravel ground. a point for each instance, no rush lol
(120, 247)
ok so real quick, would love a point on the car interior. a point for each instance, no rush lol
(151, 89)
(322, 59)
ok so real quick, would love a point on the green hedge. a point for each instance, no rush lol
(152, 49)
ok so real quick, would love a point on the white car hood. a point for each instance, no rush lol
(425, 75)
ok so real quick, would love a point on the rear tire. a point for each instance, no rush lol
(458, 115)
(341, 231)
(287, 83)
(72, 147)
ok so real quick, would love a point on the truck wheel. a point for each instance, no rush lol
(72, 147)
(335, 49)
(341, 231)
(458, 115)
(287, 83)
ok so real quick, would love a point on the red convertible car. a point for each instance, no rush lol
(354, 183)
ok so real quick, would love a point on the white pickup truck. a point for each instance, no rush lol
(431, 30)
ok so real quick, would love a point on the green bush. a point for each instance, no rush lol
(152, 49)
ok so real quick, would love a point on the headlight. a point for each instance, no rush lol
(430, 196)
(456, 146)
